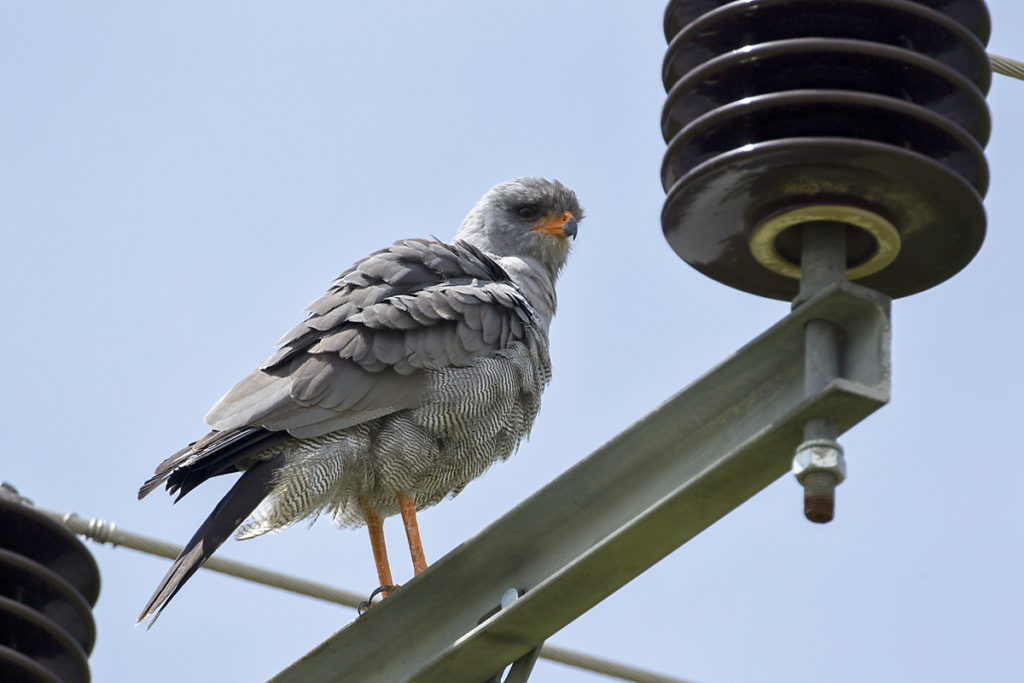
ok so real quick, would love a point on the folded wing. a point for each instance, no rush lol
(366, 349)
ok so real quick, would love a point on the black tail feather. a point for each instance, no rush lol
(233, 509)
(215, 454)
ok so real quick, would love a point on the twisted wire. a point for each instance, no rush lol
(1007, 66)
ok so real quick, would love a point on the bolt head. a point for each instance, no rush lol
(508, 597)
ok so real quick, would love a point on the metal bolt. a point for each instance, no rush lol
(819, 497)
(819, 466)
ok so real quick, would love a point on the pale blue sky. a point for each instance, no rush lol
(180, 180)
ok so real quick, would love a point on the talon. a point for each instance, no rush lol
(384, 592)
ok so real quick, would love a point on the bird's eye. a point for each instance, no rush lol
(527, 211)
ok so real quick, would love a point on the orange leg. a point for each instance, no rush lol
(412, 532)
(380, 552)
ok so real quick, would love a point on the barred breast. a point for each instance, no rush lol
(472, 418)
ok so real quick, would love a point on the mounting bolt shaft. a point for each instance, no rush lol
(818, 464)
(819, 497)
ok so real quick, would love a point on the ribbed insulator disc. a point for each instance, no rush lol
(15, 666)
(826, 64)
(710, 214)
(825, 113)
(972, 14)
(25, 631)
(46, 541)
(37, 587)
(899, 23)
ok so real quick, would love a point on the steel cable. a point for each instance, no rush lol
(1007, 66)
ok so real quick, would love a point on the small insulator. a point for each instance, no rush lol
(785, 113)
(48, 585)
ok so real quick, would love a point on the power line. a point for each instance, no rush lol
(1007, 66)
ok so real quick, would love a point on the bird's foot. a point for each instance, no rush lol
(383, 591)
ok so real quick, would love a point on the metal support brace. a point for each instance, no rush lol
(521, 669)
(618, 511)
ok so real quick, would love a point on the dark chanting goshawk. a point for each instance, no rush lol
(421, 366)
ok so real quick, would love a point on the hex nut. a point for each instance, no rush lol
(819, 455)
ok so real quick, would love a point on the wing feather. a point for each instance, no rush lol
(332, 318)
(470, 339)
(367, 345)
(490, 324)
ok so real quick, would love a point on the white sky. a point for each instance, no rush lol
(180, 180)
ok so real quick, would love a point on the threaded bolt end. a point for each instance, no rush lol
(819, 496)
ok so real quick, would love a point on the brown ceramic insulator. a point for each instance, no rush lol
(48, 584)
(870, 113)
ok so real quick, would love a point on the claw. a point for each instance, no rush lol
(384, 592)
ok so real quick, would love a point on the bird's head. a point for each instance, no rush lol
(526, 217)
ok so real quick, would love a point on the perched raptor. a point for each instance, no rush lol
(421, 366)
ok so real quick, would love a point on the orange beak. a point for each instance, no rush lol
(562, 225)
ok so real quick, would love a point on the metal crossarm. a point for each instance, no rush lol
(617, 512)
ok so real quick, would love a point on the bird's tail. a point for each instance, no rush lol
(252, 487)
